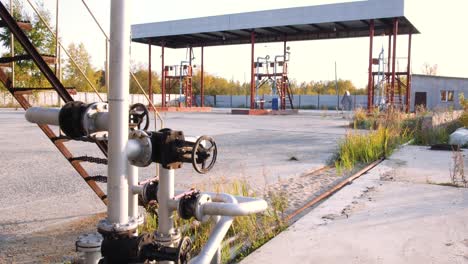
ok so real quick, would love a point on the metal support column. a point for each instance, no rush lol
(283, 80)
(252, 72)
(387, 92)
(370, 85)
(408, 76)
(163, 80)
(150, 75)
(189, 94)
(395, 34)
(202, 78)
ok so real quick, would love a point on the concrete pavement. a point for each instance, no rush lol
(396, 213)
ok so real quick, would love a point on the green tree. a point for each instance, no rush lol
(26, 72)
(142, 75)
(72, 76)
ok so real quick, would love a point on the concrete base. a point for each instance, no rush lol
(385, 216)
(264, 112)
(184, 109)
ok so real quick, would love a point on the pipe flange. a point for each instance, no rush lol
(89, 243)
(104, 227)
(168, 240)
(202, 199)
(146, 148)
(89, 120)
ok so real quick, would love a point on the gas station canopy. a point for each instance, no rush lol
(331, 21)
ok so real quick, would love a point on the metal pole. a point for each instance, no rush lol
(107, 65)
(336, 87)
(387, 94)
(150, 75)
(370, 85)
(132, 197)
(408, 76)
(166, 233)
(163, 78)
(202, 78)
(117, 210)
(252, 72)
(395, 34)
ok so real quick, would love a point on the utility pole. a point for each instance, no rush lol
(336, 87)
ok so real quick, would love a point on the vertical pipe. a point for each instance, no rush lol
(150, 75)
(117, 186)
(395, 34)
(408, 76)
(202, 78)
(370, 85)
(252, 72)
(132, 197)
(165, 193)
(163, 78)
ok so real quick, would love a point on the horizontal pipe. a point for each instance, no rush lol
(43, 116)
(133, 149)
(229, 209)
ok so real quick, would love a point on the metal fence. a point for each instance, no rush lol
(219, 101)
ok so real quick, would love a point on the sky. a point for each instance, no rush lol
(442, 42)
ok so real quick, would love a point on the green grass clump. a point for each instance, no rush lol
(358, 148)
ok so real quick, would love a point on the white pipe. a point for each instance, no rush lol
(43, 116)
(132, 197)
(117, 186)
(228, 209)
(165, 194)
(217, 235)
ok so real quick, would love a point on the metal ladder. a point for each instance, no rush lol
(19, 94)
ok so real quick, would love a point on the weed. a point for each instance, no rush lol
(457, 172)
(249, 232)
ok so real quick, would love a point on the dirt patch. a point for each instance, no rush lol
(53, 245)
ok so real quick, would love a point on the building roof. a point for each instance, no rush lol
(331, 21)
(439, 77)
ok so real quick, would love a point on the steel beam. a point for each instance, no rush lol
(202, 78)
(408, 76)
(163, 78)
(395, 35)
(150, 76)
(370, 85)
(252, 71)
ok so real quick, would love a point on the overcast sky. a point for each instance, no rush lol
(442, 23)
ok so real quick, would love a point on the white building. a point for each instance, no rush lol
(437, 92)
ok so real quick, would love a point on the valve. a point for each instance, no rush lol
(204, 152)
(139, 117)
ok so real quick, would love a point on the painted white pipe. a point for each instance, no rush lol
(117, 186)
(43, 116)
(165, 194)
(229, 209)
(220, 230)
(132, 197)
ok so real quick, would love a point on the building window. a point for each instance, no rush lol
(447, 95)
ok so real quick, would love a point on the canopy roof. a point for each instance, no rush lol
(331, 21)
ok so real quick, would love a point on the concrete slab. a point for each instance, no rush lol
(39, 188)
(378, 221)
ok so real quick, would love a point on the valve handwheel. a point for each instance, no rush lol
(204, 154)
(139, 115)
